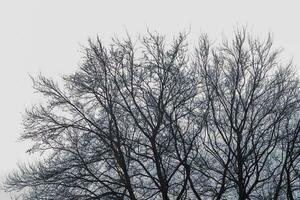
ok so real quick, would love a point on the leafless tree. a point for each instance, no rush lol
(148, 120)
(250, 96)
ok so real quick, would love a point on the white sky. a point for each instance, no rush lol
(45, 36)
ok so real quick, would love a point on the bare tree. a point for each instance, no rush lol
(250, 97)
(151, 121)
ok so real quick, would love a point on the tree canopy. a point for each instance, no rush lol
(155, 120)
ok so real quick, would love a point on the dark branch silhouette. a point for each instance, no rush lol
(153, 121)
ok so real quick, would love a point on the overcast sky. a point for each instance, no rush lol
(45, 36)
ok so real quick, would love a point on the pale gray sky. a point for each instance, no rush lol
(45, 36)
